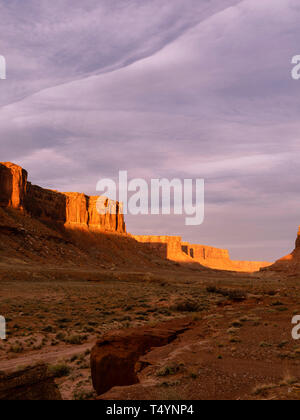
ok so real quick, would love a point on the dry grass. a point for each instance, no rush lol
(49, 310)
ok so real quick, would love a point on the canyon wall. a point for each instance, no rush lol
(73, 210)
(172, 248)
(80, 212)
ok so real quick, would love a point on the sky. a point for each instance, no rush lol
(160, 88)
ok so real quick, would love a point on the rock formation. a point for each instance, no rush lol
(79, 212)
(29, 384)
(172, 248)
(73, 210)
(289, 264)
(114, 359)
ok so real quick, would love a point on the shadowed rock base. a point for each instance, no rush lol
(31, 384)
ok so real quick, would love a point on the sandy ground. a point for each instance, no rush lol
(237, 348)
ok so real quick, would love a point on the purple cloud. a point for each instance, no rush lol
(188, 90)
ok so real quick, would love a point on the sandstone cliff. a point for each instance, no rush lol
(73, 221)
(13, 184)
(172, 248)
(73, 210)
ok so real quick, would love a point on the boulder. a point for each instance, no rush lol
(114, 359)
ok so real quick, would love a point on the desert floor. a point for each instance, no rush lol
(239, 345)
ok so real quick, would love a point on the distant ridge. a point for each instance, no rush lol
(43, 213)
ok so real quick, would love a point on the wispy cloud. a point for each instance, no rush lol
(48, 44)
(160, 88)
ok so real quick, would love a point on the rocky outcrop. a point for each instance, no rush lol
(30, 384)
(73, 210)
(114, 359)
(290, 264)
(172, 248)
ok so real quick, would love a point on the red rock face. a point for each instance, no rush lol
(73, 210)
(13, 183)
(77, 210)
(112, 218)
(114, 359)
(172, 248)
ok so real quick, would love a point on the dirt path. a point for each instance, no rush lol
(49, 357)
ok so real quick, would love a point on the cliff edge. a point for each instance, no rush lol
(73, 210)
